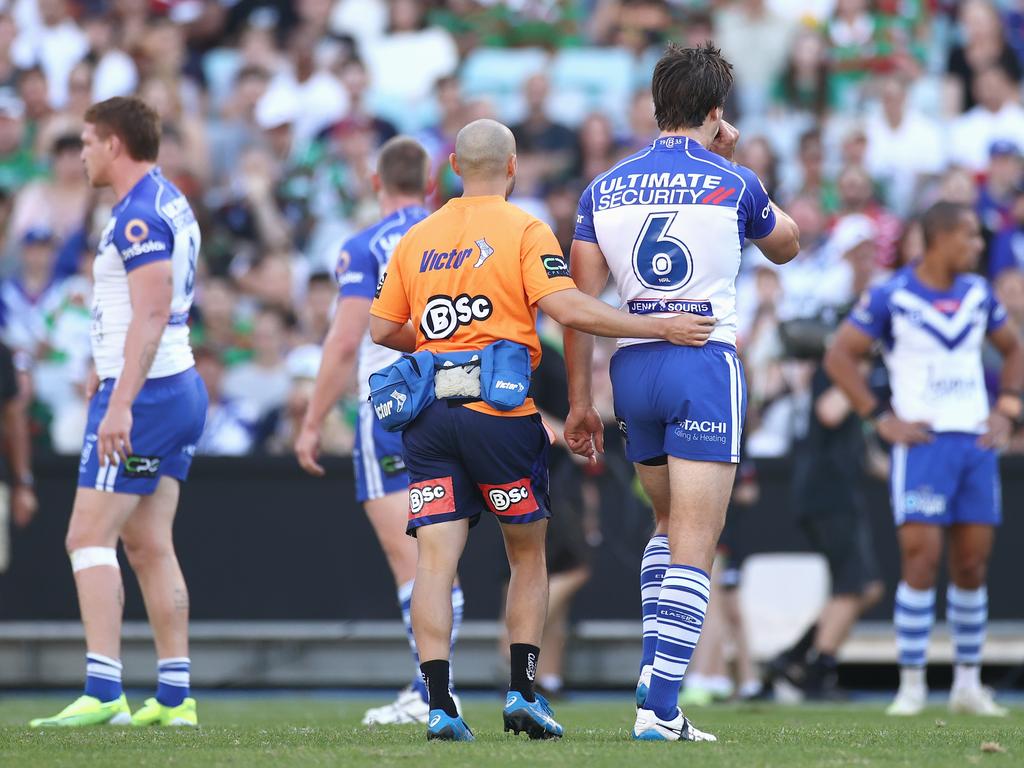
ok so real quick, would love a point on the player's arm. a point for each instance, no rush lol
(850, 347)
(584, 430)
(150, 288)
(782, 244)
(390, 312)
(340, 354)
(1008, 407)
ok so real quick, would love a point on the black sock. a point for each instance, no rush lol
(524, 668)
(436, 677)
(798, 651)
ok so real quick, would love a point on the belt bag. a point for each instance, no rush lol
(498, 374)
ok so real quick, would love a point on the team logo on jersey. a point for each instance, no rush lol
(142, 466)
(510, 499)
(432, 497)
(136, 230)
(344, 259)
(443, 315)
(485, 252)
(555, 265)
(700, 307)
(433, 259)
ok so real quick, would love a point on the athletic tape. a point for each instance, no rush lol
(90, 557)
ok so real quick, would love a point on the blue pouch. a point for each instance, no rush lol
(504, 375)
(400, 392)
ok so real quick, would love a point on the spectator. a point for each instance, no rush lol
(115, 72)
(643, 127)
(227, 431)
(857, 195)
(55, 46)
(31, 294)
(997, 116)
(58, 203)
(17, 161)
(598, 149)
(905, 149)
(807, 175)
(803, 83)
(983, 44)
(235, 128)
(8, 34)
(356, 80)
(261, 385)
(751, 25)
(758, 155)
(163, 94)
(995, 196)
(16, 451)
(219, 327)
(546, 150)
(34, 94)
(1007, 250)
(439, 138)
(317, 309)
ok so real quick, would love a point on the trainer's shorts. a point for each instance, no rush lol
(462, 462)
(379, 465)
(167, 420)
(843, 536)
(949, 480)
(687, 402)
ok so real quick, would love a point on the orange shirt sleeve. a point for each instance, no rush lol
(545, 269)
(392, 300)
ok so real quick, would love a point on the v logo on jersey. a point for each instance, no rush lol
(485, 252)
(951, 330)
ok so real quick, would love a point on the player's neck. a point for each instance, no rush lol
(700, 135)
(392, 203)
(934, 275)
(125, 177)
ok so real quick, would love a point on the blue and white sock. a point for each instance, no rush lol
(685, 593)
(102, 677)
(405, 602)
(914, 617)
(172, 680)
(652, 571)
(967, 615)
(458, 605)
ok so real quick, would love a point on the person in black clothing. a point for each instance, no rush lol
(828, 484)
(16, 452)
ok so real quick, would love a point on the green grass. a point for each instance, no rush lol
(316, 731)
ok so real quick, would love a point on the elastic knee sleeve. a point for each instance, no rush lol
(90, 557)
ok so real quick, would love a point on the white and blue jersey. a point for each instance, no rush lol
(153, 222)
(671, 221)
(932, 346)
(379, 465)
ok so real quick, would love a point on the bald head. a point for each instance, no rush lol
(483, 149)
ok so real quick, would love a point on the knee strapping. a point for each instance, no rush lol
(91, 557)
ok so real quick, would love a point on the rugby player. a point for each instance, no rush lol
(669, 223)
(401, 183)
(146, 412)
(932, 319)
(469, 275)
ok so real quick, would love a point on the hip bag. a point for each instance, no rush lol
(499, 374)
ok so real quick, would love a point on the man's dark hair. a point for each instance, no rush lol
(687, 84)
(68, 142)
(942, 217)
(403, 166)
(320, 278)
(132, 120)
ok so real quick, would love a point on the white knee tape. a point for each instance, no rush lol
(90, 557)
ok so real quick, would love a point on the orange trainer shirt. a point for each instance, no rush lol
(470, 274)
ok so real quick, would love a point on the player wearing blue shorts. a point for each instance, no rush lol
(146, 413)
(932, 320)
(382, 481)
(669, 223)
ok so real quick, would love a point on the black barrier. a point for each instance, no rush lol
(258, 539)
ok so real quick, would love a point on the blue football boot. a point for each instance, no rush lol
(443, 727)
(534, 717)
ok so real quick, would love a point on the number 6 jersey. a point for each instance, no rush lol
(153, 222)
(671, 221)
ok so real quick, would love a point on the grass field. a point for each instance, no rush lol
(319, 731)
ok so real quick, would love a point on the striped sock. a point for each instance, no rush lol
(172, 680)
(913, 617)
(652, 571)
(684, 597)
(967, 615)
(458, 604)
(405, 601)
(102, 677)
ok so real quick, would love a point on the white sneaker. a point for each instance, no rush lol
(975, 700)
(408, 707)
(909, 701)
(650, 727)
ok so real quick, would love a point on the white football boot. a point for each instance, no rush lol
(975, 700)
(650, 727)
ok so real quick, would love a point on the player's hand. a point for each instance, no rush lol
(895, 431)
(725, 142)
(113, 438)
(23, 505)
(686, 330)
(307, 448)
(1000, 430)
(92, 383)
(584, 432)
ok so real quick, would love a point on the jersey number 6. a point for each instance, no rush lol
(660, 261)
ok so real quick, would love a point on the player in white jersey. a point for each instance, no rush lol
(146, 413)
(382, 483)
(932, 320)
(669, 223)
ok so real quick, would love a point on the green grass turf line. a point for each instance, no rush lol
(285, 732)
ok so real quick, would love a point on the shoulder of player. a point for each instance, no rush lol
(139, 220)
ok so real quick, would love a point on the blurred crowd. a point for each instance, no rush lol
(857, 114)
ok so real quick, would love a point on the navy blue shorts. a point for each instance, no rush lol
(949, 480)
(167, 420)
(377, 456)
(687, 402)
(462, 462)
